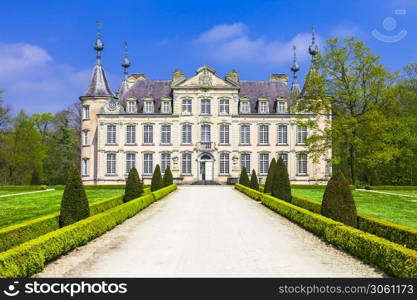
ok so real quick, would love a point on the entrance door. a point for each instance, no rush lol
(202, 170)
(206, 167)
(209, 170)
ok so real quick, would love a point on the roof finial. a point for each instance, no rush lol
(313, 49)
(125, 62)
(295, 67)
(98, 45)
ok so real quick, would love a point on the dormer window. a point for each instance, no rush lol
(166, 107)
(244, 107)
(131, 106)
(148, 107)
(281, 107)
(263, 107)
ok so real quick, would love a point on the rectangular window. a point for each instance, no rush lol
(166, 134)
(263, 107)
(224, 106)
(148, 107)
(111, 134)
(244, 107)
(224, 163)
(224, 134)
(84, 167)
(264, 135)
(263, 163)
(148, 163)
(244, 135)
(302, 164)
(205, 107)
(130, 134)
(131, 106)
(86, 112)
(205, 133)
(85, 137)
(186, 107)
(186, 163)
(165, 161)
(166, 107)
(281, 107)
(148, 134)
(282, 134)
(111, 163)
(284, 157)
(186, 134)
(245, 161)
(301, 135)
(130, 161)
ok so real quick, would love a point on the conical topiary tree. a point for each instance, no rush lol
(156, 183)
(74, 203)
(281, 187)
(338, 203)
(254, 184)
(167, 179)
(244, 178)
(36, 178)
(133, 188)
(270, 177)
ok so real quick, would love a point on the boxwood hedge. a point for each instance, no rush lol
(30, 257)
(393, 258)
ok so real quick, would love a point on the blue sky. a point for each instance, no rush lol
(46, 46)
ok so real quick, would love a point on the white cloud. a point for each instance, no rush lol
(232, 43)
(32, 80)
(347, 30)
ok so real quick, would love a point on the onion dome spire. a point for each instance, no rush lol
(125, 62)
(98, 45)
(313, 49)
(295, 67)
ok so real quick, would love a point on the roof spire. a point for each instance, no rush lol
(313, 49)
(125, 62)
(295, 67)
(98, 45)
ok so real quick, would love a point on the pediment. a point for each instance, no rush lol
(205, 78)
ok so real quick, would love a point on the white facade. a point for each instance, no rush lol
(204, 127)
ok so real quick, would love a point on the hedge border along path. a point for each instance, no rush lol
(17, 234)
(390, 257)
(30, 258)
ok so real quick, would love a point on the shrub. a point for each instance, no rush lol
(36, 178)
(254, 184)
(338, 203)
(74, 204)
(281, 187)
(244, 179)
(164, 191)
(167, 179)
(156, 183)
(250, 192)
(134, 188)
(270, 177)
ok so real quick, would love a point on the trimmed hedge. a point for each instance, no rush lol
(392, 187)
(394, 259)
(30, 258)
(164, 191)
(23, 187)
(249, 192)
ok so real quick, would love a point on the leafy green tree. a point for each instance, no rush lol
(74, 204)
(254, 184)
(133, 188)
(36, 178)
(4, 113)
(43, 122)
(281, 187)
(167, 179)
(349, 84)
(156, 182)
(244, 178)
(270, 177)
(338, 203)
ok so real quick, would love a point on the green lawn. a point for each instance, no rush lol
(15, 209)
(395, 209)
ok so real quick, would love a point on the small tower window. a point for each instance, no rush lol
(86, 112)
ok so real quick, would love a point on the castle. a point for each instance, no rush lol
(205, 127)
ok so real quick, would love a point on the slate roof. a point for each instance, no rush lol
(98, 86)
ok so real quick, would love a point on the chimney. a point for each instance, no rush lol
(279, 77)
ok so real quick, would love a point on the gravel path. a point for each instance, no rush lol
(25, 193)
(208, 231)
(386, 193)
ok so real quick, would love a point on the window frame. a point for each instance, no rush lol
(204, 134)
(86, 112)
(165, 161)
(111, 135)
(166, 136)
(244, 135)
(111, 165)
(186, 106)
(300, 161)
(186, 163)
(131, 136)
(186, 134)
(130, 163)
(148, 163)
(245, 162)
(131, 106)
(247, 104)
(205, 107)
(282, 136)
(263, 107)
(224, 132)
(85, 167)
(224, 107)
(166, 107)
(263, 163)
(263, 135)
(148, 135)
(224, 160)
(148, 107)
(302, 134)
